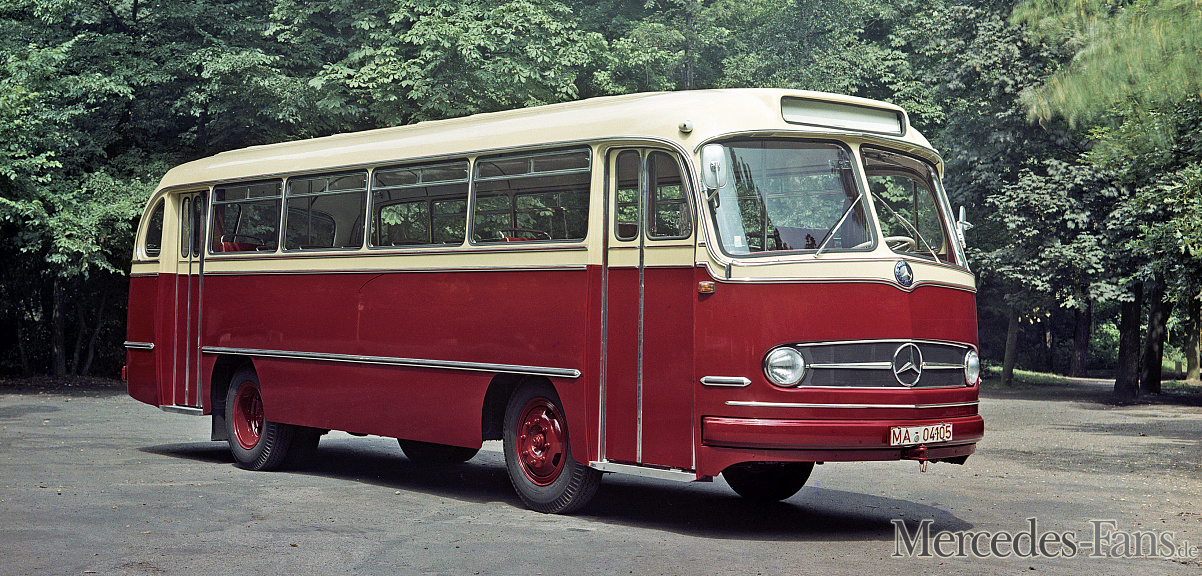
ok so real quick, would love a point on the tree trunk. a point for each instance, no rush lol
(690, 43)
(26, 367)
(1158, 319)
(1011, 348)
(81, 334)
(1193, 339)
(1080, 362)
(58, 338)
(1049, 349)
(87, 365)
(1126, 378)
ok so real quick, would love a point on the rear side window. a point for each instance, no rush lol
(153, 241)
(246, 217)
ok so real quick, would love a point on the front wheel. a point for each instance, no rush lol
(538, 455)
(767, 481)
(255, 443)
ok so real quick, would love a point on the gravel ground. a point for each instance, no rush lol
(93, 482)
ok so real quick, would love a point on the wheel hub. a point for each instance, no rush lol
(248, 416)
(541, 445)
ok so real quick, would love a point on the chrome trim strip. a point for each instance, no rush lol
(384, 251)
(541, 268)
(730, 381)
(892, 388)
(645, 471)
(392, 361)
(854, 366)
(185, 410)
(941, 366)
(885, 341)
(883, 366)
(139, 345)
(889, 406)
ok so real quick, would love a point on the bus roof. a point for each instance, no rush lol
(656, 115)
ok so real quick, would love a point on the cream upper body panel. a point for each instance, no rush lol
(710, 114)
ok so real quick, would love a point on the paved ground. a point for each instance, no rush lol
(92, 482)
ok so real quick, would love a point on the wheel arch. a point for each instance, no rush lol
(219, 382)
(496, 398)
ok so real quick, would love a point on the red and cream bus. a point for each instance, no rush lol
(676, 285)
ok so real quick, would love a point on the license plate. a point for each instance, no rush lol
(908, 435)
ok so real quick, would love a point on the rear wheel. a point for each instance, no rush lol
(431, 453)
(768, 481)
(539, 456)
(256, 443)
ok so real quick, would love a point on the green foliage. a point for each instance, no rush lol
(425, 60)
(1149, 51)
(1058, 245)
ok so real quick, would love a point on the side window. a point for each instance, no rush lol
(657, 173)
(419, 205)
(197, 225)
(669, 210)
(531, 197)
(246, 217)
(185, 229)
(626, 207)
(325, 211)
(153, 242)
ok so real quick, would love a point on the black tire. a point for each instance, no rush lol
(538, 454)
(431, 453)
(303, 447)
(256, 444)
(768, 481)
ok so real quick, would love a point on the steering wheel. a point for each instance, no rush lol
(903, 243)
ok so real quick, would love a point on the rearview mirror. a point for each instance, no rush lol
(713, 166)
(963, 225)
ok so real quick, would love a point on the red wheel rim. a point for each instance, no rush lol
(542, 447)
(248, 415)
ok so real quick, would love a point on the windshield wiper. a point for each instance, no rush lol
(830, 234)
(906, 223)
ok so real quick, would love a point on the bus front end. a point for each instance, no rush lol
(836, 316)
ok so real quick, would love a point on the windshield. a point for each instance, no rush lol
(789, 196)
(905, 191)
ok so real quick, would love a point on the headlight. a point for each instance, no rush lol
(972, 368)
(784, 366)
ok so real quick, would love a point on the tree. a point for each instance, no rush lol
(1147, 51)
(425, 60)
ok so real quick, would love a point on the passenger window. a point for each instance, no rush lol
(185, 230)
(626, 206)
(153, 242)
(669, 203)
(419, 205)
(246, 217)
(531, 197)
(325, 211)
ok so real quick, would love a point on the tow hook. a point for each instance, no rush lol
(918, 453)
